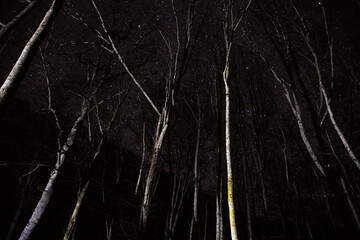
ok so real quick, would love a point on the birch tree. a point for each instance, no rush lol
(230, 24)
(47, 193)
(63, 149)
(104, 130)
(13, 80)
(315, 62)
(194, 218)
(179, 191)
(176, 69)
(284, 45)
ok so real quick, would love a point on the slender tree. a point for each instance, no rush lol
(62, 154)
(177, 67)
(230, 24)
(13, 80)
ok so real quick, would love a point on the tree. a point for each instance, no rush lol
(13, 80)
(177, 67)
(230, 24)
(62, 153)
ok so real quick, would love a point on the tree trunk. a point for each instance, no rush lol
(46, 196)
(150, 177)
(227, 150)
(12, 82)
(205, 223)
(74, 215)
(353, 211)
(338, 131)
(196, 183)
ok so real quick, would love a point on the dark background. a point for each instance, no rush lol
(263, 128)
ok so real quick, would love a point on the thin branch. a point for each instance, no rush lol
(122, 61)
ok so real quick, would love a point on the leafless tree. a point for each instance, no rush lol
(230, 24)
(63, 149)
(13, 80)
(176, 69)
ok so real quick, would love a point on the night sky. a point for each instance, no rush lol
(113, 88)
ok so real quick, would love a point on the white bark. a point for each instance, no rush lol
(304, 137)
(326, 98)
(196, 183)
(285, 157)
(180, 187)
(163, 117)
(159, 138)
(163, 121)
(206, 214)
(12, 82)
(338, 131)
(294, 105)
(227, 151)
(323, 93)
(46, 195)
(219, 214)
(230, 24)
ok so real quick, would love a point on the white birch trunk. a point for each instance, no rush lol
(46, 195)
(322, 88)
(160, 133)
(294, 105)
(219, 214)
(227, 150)
(12, 82)
(338, 131)
(206, 214)
(196, 183)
